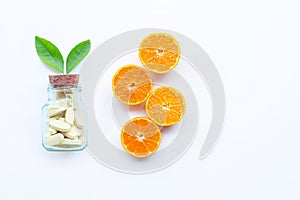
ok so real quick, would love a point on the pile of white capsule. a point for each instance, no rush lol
(65, 125)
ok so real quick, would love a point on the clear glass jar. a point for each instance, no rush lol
(64, 118)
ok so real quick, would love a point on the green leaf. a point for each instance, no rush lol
(49, 54)
(77, 54)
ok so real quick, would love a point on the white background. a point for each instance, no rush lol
(255, 46)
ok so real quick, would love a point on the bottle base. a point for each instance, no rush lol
(64, 148)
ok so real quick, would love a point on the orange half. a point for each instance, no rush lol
(165, 106)
(140, 137)
(131, 84)
(159, 52)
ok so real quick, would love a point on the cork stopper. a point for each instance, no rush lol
(68, 79)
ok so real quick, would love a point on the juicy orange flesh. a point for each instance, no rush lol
(140, 137)
(165, 106)
(159, 52)
(132, 84)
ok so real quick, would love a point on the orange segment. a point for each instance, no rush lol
(159, 52)
(140, 137)
(165, 106)
(131, 84)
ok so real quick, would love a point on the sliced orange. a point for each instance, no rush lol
(159, 52)
(131, 84)
(165, 106)
(140, 137)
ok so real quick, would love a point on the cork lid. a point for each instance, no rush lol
(67, 79)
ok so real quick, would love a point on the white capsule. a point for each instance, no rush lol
(54, 139)
(72, 134)
(60, 125)
(55, 111)
(69, 117)
(77, 130)
(70, 142)
(79, 119)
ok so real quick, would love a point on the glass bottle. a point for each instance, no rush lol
(64, 118)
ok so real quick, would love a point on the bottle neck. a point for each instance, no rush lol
(60, 92)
